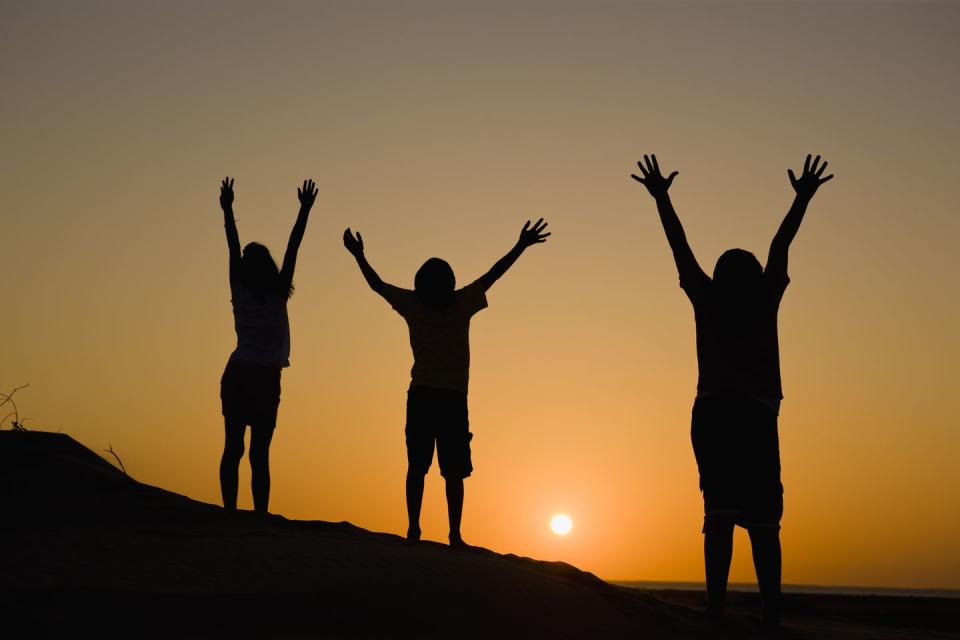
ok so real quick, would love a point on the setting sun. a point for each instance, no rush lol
(561, 524)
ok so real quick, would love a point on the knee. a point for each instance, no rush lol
(762, 534)
(454, 488)
(416, 473)
(233, 451)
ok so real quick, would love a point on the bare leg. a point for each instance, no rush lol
(767, 562)
(230, 462)
(414, 501)
(260, 438)
(455, 509)
(717, 553)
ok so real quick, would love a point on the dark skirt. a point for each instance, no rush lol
(250, 393)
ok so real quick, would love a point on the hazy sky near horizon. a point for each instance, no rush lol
(438, 129)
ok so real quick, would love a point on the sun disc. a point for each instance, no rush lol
(561, 524)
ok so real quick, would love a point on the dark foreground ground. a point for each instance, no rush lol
(85, 549)
(842, 616)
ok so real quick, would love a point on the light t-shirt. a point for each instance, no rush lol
(263, 329)
(439, 337)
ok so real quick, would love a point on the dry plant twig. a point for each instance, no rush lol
(17, 422)
(119, 461)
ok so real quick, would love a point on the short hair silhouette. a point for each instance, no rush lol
(259, 271)
(438, 319)
(434, 283)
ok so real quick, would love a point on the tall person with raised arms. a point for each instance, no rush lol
(734, 423)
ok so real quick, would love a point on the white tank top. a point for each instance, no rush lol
(263, 329)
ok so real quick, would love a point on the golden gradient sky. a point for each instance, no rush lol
(437, 129)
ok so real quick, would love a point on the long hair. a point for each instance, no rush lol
(259, 272)
(434, 284)
(738, 282)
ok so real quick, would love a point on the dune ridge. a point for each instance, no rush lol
(87, 548)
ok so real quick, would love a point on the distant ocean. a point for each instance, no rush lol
(798, 588)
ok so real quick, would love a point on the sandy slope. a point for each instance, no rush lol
(87, 547)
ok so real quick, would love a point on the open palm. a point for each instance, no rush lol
(810, 180)
(307, 194)
(652, 179)
(530, 236)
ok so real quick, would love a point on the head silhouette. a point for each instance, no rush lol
(434, 283)
(259, 272)
(738, 274)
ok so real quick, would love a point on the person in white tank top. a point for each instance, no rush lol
(250, 386)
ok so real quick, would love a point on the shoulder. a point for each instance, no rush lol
(697, 286)
(472, 297)
(393, 291)
(776, 282)
(398, 298)
(775, 277)
(474, 288)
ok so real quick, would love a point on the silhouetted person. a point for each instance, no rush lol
(438, 316)
(734, 424)
(250, 386)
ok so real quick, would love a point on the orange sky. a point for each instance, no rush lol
(437, 130)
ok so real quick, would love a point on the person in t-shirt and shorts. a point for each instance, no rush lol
(438, 317)
(734, 424)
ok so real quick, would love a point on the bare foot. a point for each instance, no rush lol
(456, 542)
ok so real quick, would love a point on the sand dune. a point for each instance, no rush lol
(86, 547)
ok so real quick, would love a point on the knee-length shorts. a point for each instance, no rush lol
(438, 418)
(737, 447)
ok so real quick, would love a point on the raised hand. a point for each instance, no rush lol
(353, 244)
(652, 179)
(810, 180)
(307, 194)
(530, 236)
(226, 193)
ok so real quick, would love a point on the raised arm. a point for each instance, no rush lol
(354, 245)
(687, 265)
(230, 226)
(529, 236)
(805, 186)
(307, 196)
